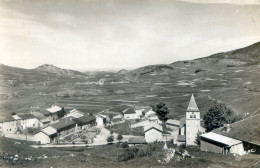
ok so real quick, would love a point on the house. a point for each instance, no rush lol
(136, 141)
(213, 142)
(64, 127)
(46, 135)
(141, 110)
(9, 127)
(42, 119)
(26, 120)
(130, 114)
(149, 113)
(172, 124)
(153, 132)
(86, 121)
(75, 113)
(54, 113)
(246, 130)
(100, 119)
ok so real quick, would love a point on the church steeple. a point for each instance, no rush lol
(192, 107)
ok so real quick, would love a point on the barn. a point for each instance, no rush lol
(153, 132)
(216, 143)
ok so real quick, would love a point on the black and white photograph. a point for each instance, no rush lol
(130, 83)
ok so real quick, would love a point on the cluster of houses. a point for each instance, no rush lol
(52, 125)
(55, 126)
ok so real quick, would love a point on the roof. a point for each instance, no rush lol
(136, 140)
(101, 116)
(116, 119)
(25, 116)
(147, 109)
(150, 112)
(54, 109)
(75, 113)
(38, 115)
(192, 107)
(45, 120)
(153, 125)
(181, 138)
(247, 130)
(173, 122)
(129, 111)
(84, 119)
(49, 130)
(16, 117)
(63, 123)
(182, 122)
(119, 108)
(220, 139)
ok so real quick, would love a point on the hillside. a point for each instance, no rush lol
(57, 70)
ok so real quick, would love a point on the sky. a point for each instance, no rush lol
(122, 34)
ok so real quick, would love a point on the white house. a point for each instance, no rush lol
(149, 113)
(130, 114)
(153, 132)
(100, 119)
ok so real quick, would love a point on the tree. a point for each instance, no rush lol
(13, 113)
(162, 111)
(119, 137)
(217, 116)
(197, 140)
(110, 138)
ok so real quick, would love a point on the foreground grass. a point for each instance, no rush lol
(106, 156)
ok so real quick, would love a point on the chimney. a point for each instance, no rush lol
(227, 128)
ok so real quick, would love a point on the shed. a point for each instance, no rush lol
(213, 142)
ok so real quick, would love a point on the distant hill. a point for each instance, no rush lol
(57, 70)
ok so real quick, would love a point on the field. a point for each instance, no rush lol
(106, 156)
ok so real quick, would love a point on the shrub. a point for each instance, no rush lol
(135, 152)
(198, 70)
(119, 137)
(125, 145)
(110, 138)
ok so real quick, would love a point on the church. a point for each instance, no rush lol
(185, 130)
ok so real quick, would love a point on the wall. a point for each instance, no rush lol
(210, 147)
(9, 127)
(238, 149)
(153, 135)
(20, 136)
(43, 138)
(131, 116)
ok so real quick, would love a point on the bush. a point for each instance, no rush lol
(198, 70)
(136, 152)
(119, 137)
(110, 138)
(125, 145)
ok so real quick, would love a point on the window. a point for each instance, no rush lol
(191, 116)
(194, 116)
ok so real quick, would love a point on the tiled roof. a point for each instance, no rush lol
(129, 111)
(173, 122)
(25, 116)
(63, 123)
(247, 130)
(54, 109)
(84, 119)
(49, 131)
(192, 105)
(153, 125)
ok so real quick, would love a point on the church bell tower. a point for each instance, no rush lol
(192, 122)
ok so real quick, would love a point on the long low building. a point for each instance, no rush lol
(212, 142)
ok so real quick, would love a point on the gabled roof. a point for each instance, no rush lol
(220, 139)
(136, 140)
(54, 109)
(25, 116)
(150, 112)
(182, 122)
(16, 117)
(63, 123)
(84, 119)
(38, 115)
(49, 130)
(75, 113)
(247, 130)
(153, 125)
(129, 111)
(173, 122)
(192, 107)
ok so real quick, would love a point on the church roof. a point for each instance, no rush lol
(192, 105)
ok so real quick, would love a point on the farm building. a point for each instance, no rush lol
(136, 141)
(153, 132)
(212, 142)
(26, 120)
(130, 114)
(86, 121)
(246, 130)
(75, 113)
(54, 113)
(46, 135)
(100, 119)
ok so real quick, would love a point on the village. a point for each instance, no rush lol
(55, 127)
